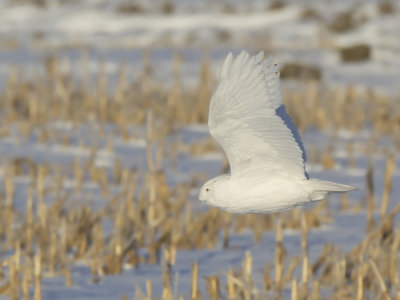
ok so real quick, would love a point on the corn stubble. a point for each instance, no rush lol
(51, 235)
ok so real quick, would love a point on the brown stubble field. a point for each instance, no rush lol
(98, 185)
(52, 232)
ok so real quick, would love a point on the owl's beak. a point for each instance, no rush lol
(202, 197)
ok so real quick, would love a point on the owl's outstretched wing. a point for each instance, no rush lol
(247, 117)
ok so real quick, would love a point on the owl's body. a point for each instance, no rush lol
(255, 195)
(261, 197)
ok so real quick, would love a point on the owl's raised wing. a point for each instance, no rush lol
(248, 119)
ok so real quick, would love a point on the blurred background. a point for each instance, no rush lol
(104, 145)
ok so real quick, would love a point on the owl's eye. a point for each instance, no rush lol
(207, 189)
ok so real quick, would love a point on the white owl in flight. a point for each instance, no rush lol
(247, 118)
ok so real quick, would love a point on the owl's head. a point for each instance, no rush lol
(207, 191)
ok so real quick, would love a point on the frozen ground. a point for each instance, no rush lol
(346, 231)
(29, 34)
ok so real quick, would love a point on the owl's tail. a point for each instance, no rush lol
(320, 188)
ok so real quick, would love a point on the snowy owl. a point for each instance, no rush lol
(247, 118)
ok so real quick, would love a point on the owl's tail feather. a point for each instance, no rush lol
(320, 188)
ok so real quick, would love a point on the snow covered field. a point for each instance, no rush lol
(103, 130)
(300, 33)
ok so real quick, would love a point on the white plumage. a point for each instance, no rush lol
(247, 117)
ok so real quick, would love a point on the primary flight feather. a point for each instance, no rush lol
(247, 118)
